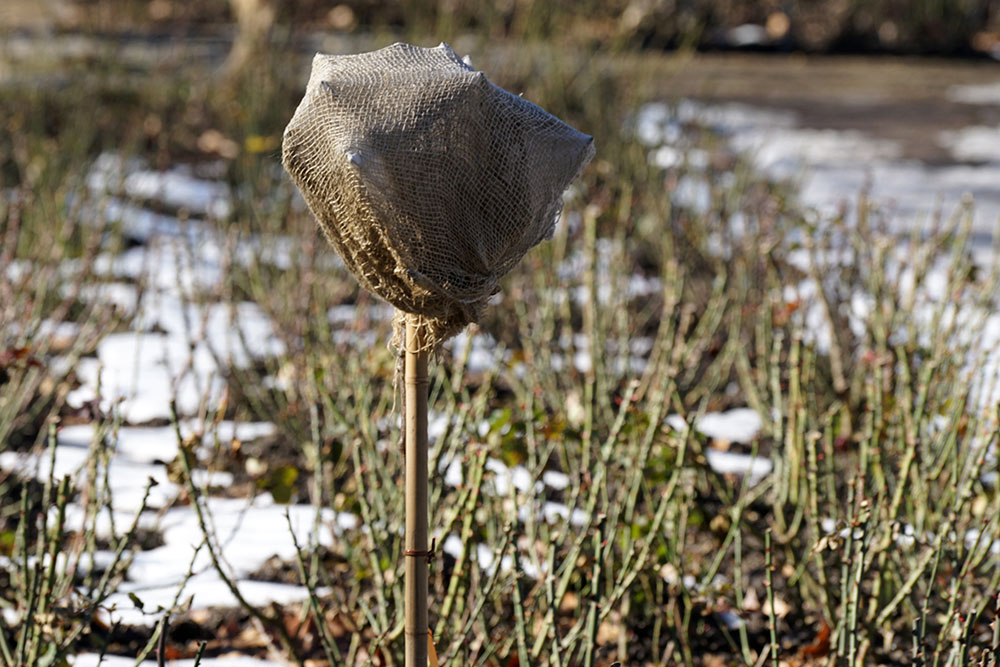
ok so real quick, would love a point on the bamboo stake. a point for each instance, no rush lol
(416, 553)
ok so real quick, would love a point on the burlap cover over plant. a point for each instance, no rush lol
(430, 181)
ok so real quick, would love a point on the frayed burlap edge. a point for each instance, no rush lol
(433, 332)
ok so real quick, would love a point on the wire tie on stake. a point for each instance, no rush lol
(419, 553)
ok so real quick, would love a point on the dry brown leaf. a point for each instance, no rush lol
(721, 444)
(569, 602)
(213, 141)
(821, 647)
(781, 608)
(200, 616)
(250, 638)
(340, 625)
(432, 655)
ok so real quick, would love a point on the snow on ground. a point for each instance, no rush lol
(138, 373)
(481, 352)
(246, 532)
(249, 533)
(833, 167)
(978, 328)
(175, 346)
(734, 463)
(178, 349)
(177, 188)
(973, 143)
(979, 93)
(738, 425)
(139, 458)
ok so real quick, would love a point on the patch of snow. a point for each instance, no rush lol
(976, 93)
(907, 189)
(555, 479)
(153, 444)
(530, 571)
(656, 124)
(346, 314)
(137, 444)
(206, 589)
(125, 296)
(694, 193)
(734, 118)
(18, 269)
(139, 373)
(487, 560)
(783, 152)
(676, 422)
(666, 157)
(484, 355)
(504, 478)
(227, 431)
(127, 480)
(833, 167)
(641, 286)
(553, 512)
(356, 339)
(175, 188)
(279, 251)
(738, 425)
(173, 265)
(973, 143)
(141, 224)
(249, 533)
(453, 546)
(110, 523)
(582, 362)
(130, 263)
(453, 476)
(747, 34)
(734, 463)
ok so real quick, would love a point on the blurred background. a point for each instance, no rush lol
(922, 27)
(207, 77)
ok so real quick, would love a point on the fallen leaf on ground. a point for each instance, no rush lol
(821, 646)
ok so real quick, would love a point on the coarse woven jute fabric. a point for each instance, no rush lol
(429, 180)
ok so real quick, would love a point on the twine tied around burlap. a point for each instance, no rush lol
(430, 181)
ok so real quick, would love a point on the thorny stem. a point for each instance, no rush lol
(275, 624)
(769, 584)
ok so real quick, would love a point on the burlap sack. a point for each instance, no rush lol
(430, 181)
